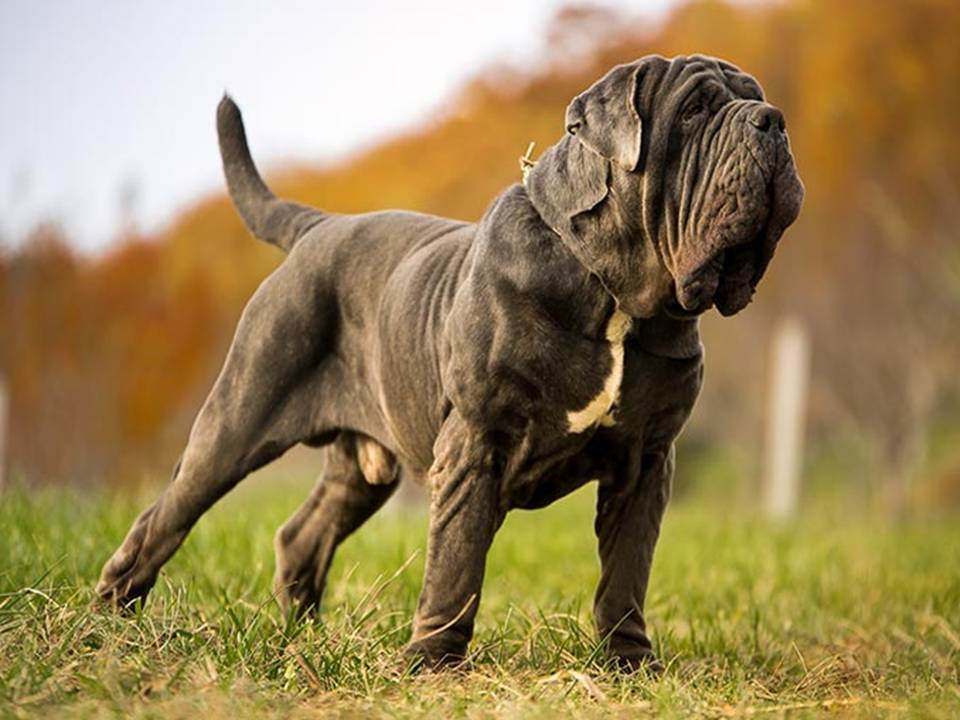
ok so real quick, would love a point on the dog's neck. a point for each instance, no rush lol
(664, 336)
(658, 334)
(596, 211)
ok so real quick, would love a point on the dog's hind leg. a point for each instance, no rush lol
(359, 476)
(262, 403)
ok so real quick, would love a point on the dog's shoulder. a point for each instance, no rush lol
(517, 254)
(527, 324)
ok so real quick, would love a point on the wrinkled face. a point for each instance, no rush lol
(729, 185)
(673, 185)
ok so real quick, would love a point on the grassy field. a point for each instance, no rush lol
(830, 613)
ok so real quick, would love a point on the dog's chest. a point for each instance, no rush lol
(600, 409)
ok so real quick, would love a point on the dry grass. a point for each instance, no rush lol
(853, 618)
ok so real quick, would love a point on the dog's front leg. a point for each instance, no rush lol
(465, 512)
(629, 511)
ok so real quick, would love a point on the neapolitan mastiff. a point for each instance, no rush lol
(505, 362)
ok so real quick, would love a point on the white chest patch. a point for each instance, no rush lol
(599, 409)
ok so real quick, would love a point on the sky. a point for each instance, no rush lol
(108, 106)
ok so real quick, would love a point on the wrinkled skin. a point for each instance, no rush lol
(717, 188)
(743, 191)
(504, 363)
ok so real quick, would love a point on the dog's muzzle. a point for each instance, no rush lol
(728, 276)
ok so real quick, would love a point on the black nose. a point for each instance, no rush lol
(766, 118)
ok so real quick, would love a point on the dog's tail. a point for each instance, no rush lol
(275, 221)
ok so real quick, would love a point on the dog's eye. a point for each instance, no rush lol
(693, 110)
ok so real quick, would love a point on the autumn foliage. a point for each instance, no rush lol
(108, 357)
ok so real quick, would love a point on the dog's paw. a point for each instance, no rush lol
(123, 583)
(120, 592)
(430, 657)
(131, 572)
(637, 660)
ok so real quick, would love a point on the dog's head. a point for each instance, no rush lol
(673, 185)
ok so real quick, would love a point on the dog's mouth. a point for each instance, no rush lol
(728, 276)
(727, 279)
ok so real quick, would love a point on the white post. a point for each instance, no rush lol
(786, 410)
(4, 409)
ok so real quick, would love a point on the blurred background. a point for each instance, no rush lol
(123, 267)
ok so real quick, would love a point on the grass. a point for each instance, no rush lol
(828, 613)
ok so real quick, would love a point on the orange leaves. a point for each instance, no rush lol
(108, 357)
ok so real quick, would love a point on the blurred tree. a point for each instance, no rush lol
(108, 358)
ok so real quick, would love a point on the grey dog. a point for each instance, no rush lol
(504, 363)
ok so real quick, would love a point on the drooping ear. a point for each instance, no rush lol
(604, 117)
(567, 180)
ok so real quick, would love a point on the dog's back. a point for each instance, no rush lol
(388, 277)
(391, 278)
